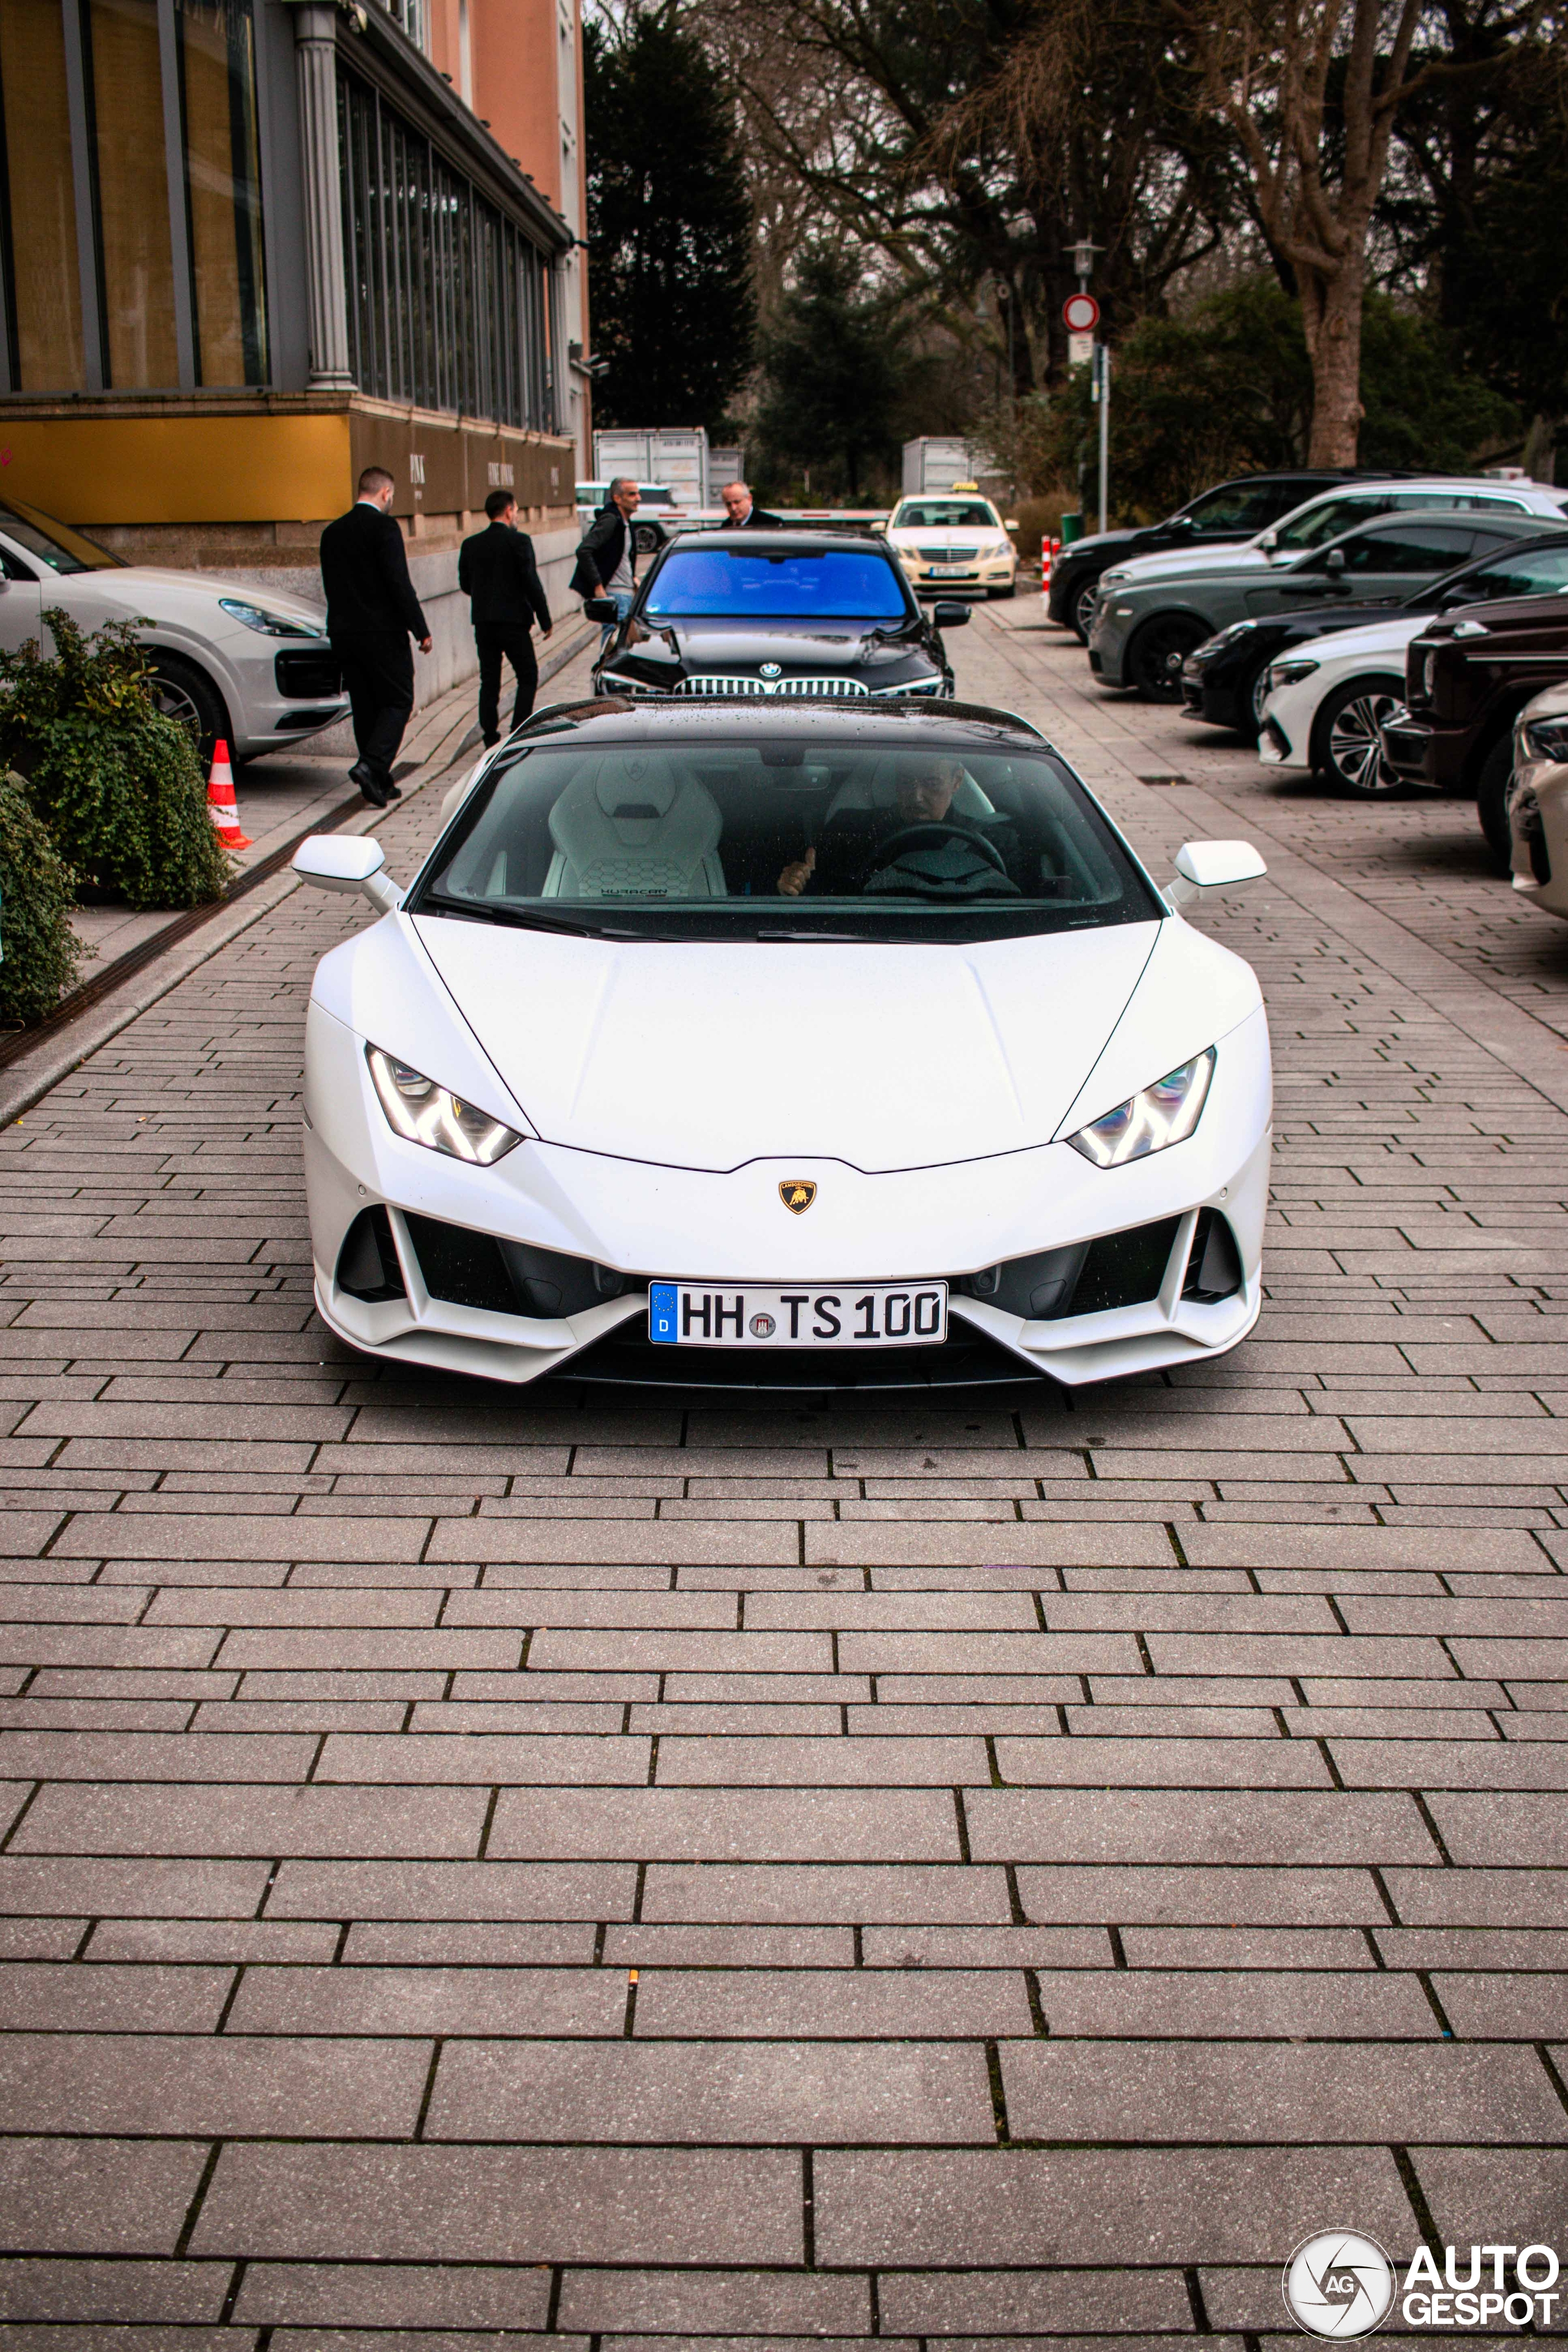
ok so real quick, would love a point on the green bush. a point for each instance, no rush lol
(119, 785)
(40, 952)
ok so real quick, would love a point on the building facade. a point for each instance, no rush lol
(248, 246)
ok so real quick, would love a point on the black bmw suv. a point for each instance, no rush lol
(1232, 511)
(751, 614)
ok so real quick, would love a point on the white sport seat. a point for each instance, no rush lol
(632, 828)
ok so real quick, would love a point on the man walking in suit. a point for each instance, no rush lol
(742, 514)
(497, 572)
(371, 612)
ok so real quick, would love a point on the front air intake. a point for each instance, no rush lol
(470, 1269)
(1123, 1269)
(367, 1262)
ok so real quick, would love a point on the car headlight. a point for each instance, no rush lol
(1545, 739)
(269, 625)
(422, 1112)
(1156, 1116)
(1237, 629)
(1289, 673)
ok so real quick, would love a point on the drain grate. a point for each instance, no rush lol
(1164, 780)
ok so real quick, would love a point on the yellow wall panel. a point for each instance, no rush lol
(151, 469)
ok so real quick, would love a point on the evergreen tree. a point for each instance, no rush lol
(833, 377)
(668, 226)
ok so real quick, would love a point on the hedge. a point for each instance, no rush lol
(40, 952)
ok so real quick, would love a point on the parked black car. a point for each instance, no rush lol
(1231, 510)
(794, 613)
(1226, 679)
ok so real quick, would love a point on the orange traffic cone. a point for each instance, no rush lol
(222, 806)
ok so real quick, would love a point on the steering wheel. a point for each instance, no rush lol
(932, 835)
(934, 829)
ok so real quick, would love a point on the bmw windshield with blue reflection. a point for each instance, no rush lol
(686, 822)
(769, 615)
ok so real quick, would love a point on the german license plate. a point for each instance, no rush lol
(853, 1314)
(950, 570)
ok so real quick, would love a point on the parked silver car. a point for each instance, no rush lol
(251, 665)
(1153, 610)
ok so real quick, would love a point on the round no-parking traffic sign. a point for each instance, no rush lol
(1081, 312)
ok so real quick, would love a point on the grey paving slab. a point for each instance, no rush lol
(746, 2093)
(503, 2205)
(1020, 2207)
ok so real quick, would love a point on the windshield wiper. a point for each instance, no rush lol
(441, 903)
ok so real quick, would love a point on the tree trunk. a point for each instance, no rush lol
(1331, 314)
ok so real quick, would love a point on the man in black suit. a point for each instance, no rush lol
(743, 516)
(497, 572)
(371, 612)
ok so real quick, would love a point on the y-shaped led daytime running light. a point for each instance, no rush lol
(1156, 1116)
(423, 1112)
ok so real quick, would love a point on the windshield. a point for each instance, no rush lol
(1311, 527)
(54, 543)
(784, 839)
(1536, 572)
(840, 583)
(1235, 506)
(945, 514)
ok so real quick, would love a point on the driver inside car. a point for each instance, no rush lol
(921, 844)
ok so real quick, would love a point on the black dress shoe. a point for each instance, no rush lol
(372, 789)
(393, 791)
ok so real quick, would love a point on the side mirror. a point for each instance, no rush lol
(1212, 865)
(1268, 541)
(348, 861)
(1012, 523)
(1334, 561)
(601, 608)
(949, 615)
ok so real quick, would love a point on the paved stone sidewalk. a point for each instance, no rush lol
(479, 1864)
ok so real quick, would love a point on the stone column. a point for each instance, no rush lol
(316, 59)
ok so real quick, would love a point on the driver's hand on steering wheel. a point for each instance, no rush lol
(794, 879)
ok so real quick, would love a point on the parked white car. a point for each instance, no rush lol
(957, 541)
(1538, 805)
(251, 665)
(1327, 698)
(731, 1042)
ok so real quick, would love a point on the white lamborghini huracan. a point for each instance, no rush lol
(805, 1043)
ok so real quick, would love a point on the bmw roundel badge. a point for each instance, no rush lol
(771, 669)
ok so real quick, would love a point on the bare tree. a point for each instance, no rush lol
(1311, 91)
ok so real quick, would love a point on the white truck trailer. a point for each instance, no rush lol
(678, 459)
(938, 461)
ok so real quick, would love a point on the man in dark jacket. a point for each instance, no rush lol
(497, 572)
(606, 554)
(371, 612)
(742, 514)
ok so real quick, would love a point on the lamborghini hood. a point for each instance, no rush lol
(705, 1056)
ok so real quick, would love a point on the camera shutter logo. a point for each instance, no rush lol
(1339, 2284)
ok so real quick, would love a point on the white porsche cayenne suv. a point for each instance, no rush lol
(824, 1046)
(249, 664)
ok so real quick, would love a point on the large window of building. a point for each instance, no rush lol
(37, 221)
(223, 189)
(130, 244)
(136, 260)
(448, 302)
